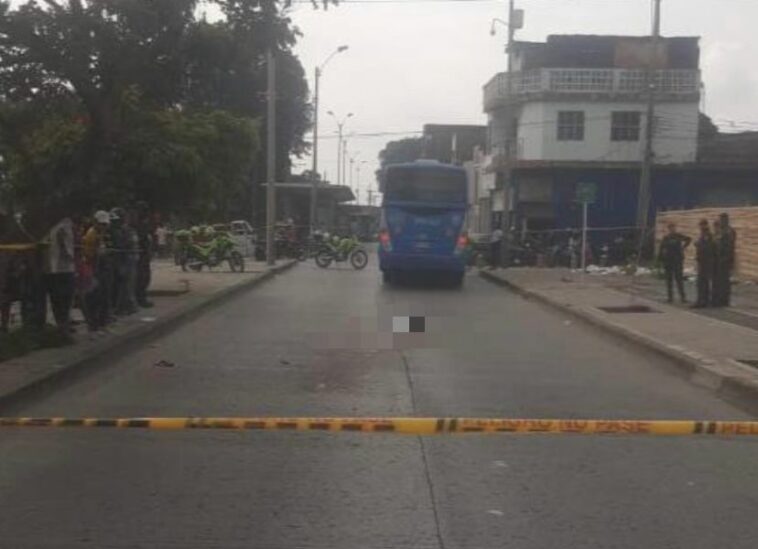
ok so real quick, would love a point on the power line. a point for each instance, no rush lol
(407, 1)
(374, 134)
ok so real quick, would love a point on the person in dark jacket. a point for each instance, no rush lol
(725, 239)
(706, 259)
(145, 239)
(671, 256)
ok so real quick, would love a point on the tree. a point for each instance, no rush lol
(126, 99)
(402, 150)
(398, 151)
(707, 130)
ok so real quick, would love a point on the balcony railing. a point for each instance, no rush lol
(674, 82)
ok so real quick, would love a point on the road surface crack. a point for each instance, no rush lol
(424, 457)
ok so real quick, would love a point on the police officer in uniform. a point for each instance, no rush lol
(706, 258)
(725, 241)
(671, 255)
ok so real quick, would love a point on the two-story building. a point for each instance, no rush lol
(573, 111)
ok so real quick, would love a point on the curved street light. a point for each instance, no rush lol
(314, 165)
(497, 20)
(340, 144)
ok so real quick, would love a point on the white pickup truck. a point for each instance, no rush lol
(242, 234)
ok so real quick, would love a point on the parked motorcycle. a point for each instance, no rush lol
(221, 248)
(348, 249)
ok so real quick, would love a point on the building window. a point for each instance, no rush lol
(625, 126)
(570, 126)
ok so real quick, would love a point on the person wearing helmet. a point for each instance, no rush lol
(129, 251)
(145, 241)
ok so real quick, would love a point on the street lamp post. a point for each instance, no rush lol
(353, 163)
(358, 179)
(515, 21)
(340, 145)
(314, 168)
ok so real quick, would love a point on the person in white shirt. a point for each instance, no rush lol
(161, 239)
(59, 278)
(496, 239)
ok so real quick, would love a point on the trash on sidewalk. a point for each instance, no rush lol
(598, 270)
(164, 364)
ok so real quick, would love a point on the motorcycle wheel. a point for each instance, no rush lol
(324, 258)
(302, 253)
(237, 262)
(359, 259)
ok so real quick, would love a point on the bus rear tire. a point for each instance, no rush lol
(387, 277)
(456, 280)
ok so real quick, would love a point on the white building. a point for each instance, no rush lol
(578, 103)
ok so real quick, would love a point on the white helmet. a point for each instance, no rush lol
(101, 216)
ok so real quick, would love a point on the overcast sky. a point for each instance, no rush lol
(416, 62)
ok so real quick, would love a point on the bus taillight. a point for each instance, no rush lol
(461, 243)
(385, 240)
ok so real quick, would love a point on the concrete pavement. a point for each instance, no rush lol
(315, 343)
(712, 353)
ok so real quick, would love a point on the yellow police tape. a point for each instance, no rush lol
(409, 425)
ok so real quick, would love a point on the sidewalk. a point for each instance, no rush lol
(707, 350)
(177, 296)
(743, 312)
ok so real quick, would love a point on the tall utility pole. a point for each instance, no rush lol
(341, 147)
(515, 21)
(339, 154)
(512, 102)
(314, 164)
(350, 173)
(643, 194)
(344, 160)
(314, 168)
(271, 157)
(358, 175)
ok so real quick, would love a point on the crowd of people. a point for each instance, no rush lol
(714, 256)
(99, 264)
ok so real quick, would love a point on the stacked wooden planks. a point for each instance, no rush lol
(743, 220)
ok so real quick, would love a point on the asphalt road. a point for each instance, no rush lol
(316, 342)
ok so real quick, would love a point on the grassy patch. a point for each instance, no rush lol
(21, 341)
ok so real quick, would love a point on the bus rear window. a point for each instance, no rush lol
(425, 186)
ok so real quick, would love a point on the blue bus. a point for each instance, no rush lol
(422, 222)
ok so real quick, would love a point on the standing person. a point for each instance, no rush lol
(496, 243)
(125, 258)
(705, 258)
(96, 258)
(144, 231)
(116, 240)
(161, 239)
(59, 279)
(574, 250)
(671, 255)
(127, 302)
(726, 241)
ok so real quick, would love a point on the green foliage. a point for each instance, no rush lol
(193, 162)
(399, 151)
(402, 150)
(105, 101)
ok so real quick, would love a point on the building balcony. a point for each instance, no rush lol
(557, 84)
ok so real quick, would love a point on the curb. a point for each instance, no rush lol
(122, 343)
(697, 369)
